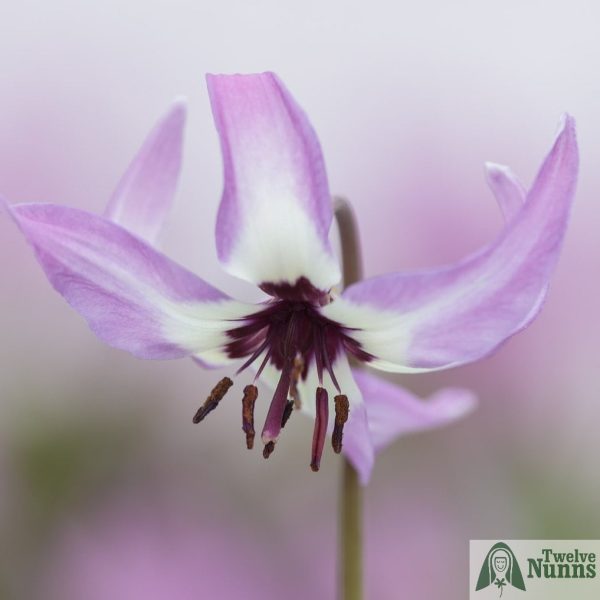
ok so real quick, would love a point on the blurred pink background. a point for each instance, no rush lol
(409, 100)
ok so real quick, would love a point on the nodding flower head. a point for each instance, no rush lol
(272, 229)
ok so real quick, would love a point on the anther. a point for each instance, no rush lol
(268, 449)
(297, 370)
(342, 408)
(287, 413)
(216, 395)
(322, 415)
(250, 395)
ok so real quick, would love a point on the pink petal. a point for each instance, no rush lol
(358, 445)
(510, 195)
(133, 297)
(145, 193)
(275, 213)
(455, 315)
(509, 192)
(393, 411)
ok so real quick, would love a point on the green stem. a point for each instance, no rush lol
(351, 575)
(351, 501)
(350, 241)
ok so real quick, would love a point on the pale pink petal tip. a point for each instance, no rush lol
(144, 196)
(507, 189)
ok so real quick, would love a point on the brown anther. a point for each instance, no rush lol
(268, 449)
(250, 395)
(287, 413)
(296, 374)
(342, 409)
(216, 395)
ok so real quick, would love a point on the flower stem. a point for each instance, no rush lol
(350, 241)
(350, 554)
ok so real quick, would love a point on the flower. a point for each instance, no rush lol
(273, 230)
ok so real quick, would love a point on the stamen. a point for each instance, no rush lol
(342, 409)
(288, 342)
(327, 362)
(216, 395)
(268, 449)
(322, 415)
(248, 401)
(263, 364)
(290, 335)
(296, 374)
(254, 355)
(319, 357)
(287, 413)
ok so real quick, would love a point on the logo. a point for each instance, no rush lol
(500, 568)
(534, 569)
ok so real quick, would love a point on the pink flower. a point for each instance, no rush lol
(273, 230)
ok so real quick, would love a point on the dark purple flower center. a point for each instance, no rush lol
(291, 334)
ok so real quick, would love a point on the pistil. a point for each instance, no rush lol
(274, 419)
(290, 335)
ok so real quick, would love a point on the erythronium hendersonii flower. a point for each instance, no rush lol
(273, 229)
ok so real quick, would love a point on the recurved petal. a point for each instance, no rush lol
(145, 193)
(458, 314)
(393, 411)
(275, 212)
(133, 297)
(507, 189)
(510, 195)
